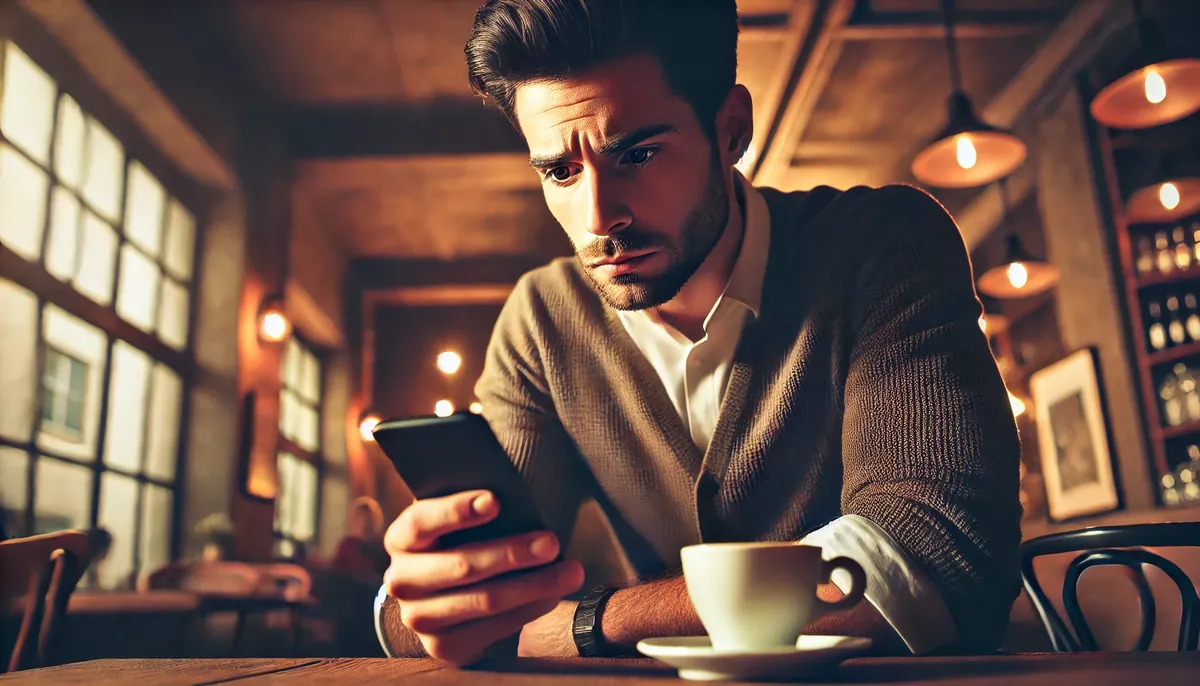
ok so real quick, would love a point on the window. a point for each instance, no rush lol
(94, 327)
(299, 462)
(64, 387)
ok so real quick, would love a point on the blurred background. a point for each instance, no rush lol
(236, 233)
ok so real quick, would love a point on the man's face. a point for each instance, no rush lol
(630, 175)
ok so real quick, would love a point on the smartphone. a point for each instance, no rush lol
(438, 456)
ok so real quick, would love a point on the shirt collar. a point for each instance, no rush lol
(746, 282)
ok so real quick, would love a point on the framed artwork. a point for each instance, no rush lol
(1072, 432)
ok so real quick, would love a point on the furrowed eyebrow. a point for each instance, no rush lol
(616, 145)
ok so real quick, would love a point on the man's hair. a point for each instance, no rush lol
(519, 41)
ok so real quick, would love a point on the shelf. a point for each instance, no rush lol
(1179, 352)
(1168, 432)
(1158, 279)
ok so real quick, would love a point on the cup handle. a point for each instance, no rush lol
(858, 584)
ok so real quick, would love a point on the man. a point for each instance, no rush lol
(719, 362)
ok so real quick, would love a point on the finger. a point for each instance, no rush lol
(421, 524)
(466, 643)
(415, 575)
(439, 612)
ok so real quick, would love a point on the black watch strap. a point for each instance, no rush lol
(585, 629)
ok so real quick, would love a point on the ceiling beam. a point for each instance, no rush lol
(937, 31)
(447, 126)
(813, 65)
(1046, 74)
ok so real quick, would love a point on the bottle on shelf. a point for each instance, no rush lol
(1157, 331)
(1188, 392)
(1183, 250)
(1172, 402)
(1164, 255)
(1145, 256)
(1191, 313)
(1175, 328)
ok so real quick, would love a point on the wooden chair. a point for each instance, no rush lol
(1116, 545)
(39, 574)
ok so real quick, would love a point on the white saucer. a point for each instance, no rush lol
(697, 660)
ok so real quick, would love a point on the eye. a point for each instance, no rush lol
(559, 175)
(639, 156)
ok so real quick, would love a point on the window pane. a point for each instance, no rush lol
(105, 165)
(144, 209)
(27, 106)
(98, 259)
(64, 234)
(305, 513)
(162, 442)
(156, 528)
(118, 514)
(181, 240)
(138, 289)
(289, 420)
(81, 341)
(310, 378)
(23, 188)
(69, 143)
(291, 363)
(309, 432)
(64, 388)
(173, 314)
(127, 407)
(14, 470)
(18, 360)
(62, 496)
(285, 467)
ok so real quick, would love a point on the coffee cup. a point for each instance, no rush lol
(761, 596)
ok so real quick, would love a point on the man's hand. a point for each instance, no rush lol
(449, 598)
(550, 635)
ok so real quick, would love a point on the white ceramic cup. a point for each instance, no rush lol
(757, 596)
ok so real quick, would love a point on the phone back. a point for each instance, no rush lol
(439, 456)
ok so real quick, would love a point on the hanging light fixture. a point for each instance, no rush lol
(1020, 275)
(967, 152)
(1173, 192)
(992, 322)
(1156, 90)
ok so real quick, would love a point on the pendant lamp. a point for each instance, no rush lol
(1020, 275)
(1172, 193)
(967, 152)
(1155, 90)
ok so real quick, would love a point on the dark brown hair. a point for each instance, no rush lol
(519, 41)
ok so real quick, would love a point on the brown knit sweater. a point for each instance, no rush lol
(864, 387)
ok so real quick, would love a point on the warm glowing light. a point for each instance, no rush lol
(1018, 275)
(366, 426)
(273, 325)
(983, 323)
(1156, 87)
(1168, 195)
(449, 362)
(1018, 406)
(743, 165)
(443, 408)
(964, 152)
(476, 407)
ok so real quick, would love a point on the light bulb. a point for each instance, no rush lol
(964, 152)
(1018, 406)
(443, 408)
(747, 160)
(476, 407)
(274, 326)
(449, 362)
(1168, 195)
(1156, 87)
(1018, 275)
(366, 426)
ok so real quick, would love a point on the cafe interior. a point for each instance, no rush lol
(237, 234)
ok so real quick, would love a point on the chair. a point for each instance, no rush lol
(1115, 545)
(39, 573)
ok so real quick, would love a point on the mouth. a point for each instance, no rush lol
(626, 258)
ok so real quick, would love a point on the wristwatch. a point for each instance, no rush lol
(585, 628)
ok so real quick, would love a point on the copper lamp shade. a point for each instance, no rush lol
(1164, 202)
(968, 152)
(1154, 95)
(1020, 276)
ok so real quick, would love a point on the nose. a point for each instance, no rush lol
(606, 211)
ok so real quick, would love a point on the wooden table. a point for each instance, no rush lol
(1092, 669)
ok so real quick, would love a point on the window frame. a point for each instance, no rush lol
(71, 79)
(316, 458)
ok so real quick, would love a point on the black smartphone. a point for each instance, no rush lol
(438, 456)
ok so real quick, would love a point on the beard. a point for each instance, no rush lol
(701, 230)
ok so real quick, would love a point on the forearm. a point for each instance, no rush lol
(662, 608)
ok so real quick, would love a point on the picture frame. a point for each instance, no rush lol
(1073, 437)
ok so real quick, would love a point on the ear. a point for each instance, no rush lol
(735, 125)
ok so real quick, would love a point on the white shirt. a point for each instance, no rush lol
(695, 376)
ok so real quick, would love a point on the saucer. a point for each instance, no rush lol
(697, 660)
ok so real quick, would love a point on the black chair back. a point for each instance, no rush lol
(1113, 545)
